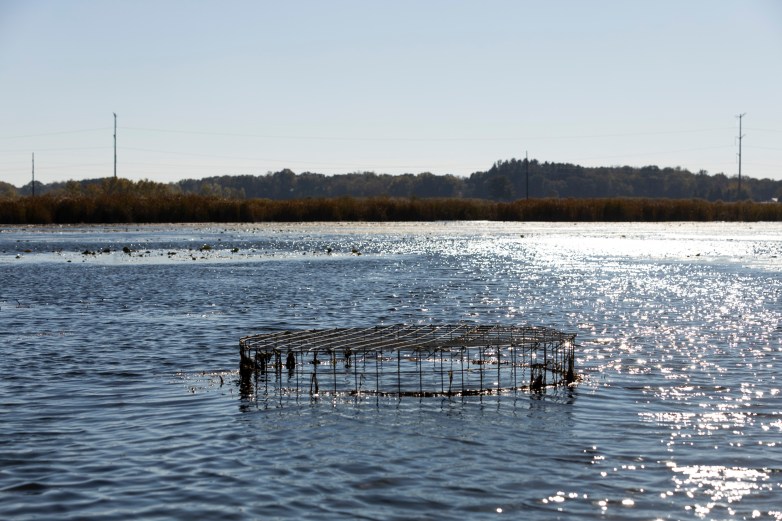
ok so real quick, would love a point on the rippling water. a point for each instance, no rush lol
(119, 394)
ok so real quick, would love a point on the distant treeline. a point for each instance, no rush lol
(505, 181)
(126, 207)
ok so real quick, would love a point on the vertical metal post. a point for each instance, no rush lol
(378, 360)
(399, 373)
(480, 364)
(256, 376)
(442, 376)
(561, 348)
(499, 358)
(420, 374)
(545, 361)
(355, 371)
(265, 375)
(462, 368)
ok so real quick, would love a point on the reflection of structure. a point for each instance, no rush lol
(408, 360)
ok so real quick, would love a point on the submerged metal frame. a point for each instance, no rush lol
(407, 360)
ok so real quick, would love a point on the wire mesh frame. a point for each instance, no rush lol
(408, 360)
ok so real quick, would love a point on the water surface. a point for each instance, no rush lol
(120, 395)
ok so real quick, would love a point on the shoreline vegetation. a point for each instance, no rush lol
(505, 181)
(123, 207)
(513, 190)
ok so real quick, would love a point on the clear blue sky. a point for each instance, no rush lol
(207, 88)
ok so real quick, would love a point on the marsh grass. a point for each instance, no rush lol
(192, 208)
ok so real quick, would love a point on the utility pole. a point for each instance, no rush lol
(526, 167)
(741, 136)
(33, 174)
(115, 145)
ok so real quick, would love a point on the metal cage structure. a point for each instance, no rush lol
(407, 360)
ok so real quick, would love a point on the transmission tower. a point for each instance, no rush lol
(741, 136)
(115, 145)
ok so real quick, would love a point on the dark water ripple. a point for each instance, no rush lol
(119, 395)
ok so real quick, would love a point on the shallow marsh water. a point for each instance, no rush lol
(119, 395)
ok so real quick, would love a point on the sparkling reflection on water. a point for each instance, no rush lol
(120, 396)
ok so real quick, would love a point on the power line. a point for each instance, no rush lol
(43, 134)
(424, 139)
(296, 161)
(59, 149)
(652, 153)
(764, 148)
(754, 129)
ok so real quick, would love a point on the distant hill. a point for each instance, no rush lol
(504, 181)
